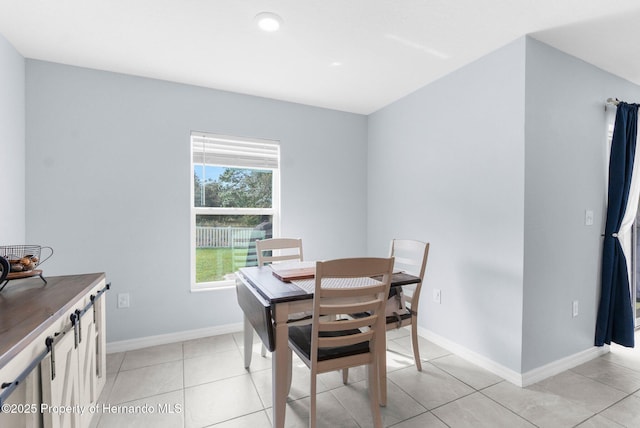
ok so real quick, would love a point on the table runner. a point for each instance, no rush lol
(309, 285)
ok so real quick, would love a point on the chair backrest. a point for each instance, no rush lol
(411, 257)
(286, 249)
(345, 286)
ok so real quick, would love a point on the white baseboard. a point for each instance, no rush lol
(163, 339)
(563, 364)
(519, 379)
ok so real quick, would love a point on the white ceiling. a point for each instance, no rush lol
(386, 48)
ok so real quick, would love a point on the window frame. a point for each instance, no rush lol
(274, 211)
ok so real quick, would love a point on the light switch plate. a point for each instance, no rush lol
(436, 295)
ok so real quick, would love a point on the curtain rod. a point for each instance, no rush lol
(611, 102)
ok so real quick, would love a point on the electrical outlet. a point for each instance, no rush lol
(436, 295)
(575, 308)
(588, 217)
(123, 300)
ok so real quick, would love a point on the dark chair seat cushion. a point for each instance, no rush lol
(300, 338)
(394, 319)
(390, 319)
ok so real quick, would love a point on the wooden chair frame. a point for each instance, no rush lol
(281, 245)
(332, 337)
(410, 256)
(288, 248)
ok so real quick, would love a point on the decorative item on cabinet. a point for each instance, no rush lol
(23, 261)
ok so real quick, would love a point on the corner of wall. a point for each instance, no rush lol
(12, 143)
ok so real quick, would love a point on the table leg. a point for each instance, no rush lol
(248, 342)
(280, 362)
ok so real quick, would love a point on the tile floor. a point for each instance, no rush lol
(202, 383)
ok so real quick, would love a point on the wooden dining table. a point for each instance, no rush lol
(268, 304)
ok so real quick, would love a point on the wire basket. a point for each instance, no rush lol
(24, 258)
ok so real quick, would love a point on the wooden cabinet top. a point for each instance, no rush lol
(29, 306)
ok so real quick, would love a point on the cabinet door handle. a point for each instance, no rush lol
(74, 324)
(49, 343)
(79, 321)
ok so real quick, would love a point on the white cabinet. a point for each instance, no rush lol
(63, 388)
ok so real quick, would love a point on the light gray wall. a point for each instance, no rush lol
(108, 176)
(446, 165)
(12, 145)
(495, 165)
(565, 164)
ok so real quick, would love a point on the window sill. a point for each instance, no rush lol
(212, 288)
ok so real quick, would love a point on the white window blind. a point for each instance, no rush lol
(211, 149)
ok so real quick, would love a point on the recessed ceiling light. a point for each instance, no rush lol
(268, 21)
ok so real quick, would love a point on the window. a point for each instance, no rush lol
(235, 199)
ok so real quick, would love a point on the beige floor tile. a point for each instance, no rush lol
(221, 393)
(300, 385)
(475, 411)
(626, 412)
(399, 357)
(425, 420)
(541, 408)
(598, 421)
(220, 401)
(114, 361)
(334, 379)
(468, 373)
(431, 387)
(208, 345)
(146, 382)
(397, 333)
(159, 411)
(355, 398)
(108, 387)
(152, 355)
(252, 420)
(594, 395)
(628, 357)
(428, 350)
(611, 374)
(330, 413)
(104, 396)
(220, 365)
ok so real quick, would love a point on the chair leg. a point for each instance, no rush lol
(312, 401)
(263, 351)
(374, 393)
(345, 376)
(414, 342)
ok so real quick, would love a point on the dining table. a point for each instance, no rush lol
(269, 304)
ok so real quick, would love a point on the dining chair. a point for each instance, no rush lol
(410, 257)
(331, 342)
(286, 249)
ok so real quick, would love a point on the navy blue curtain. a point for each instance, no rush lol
(615, 322)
